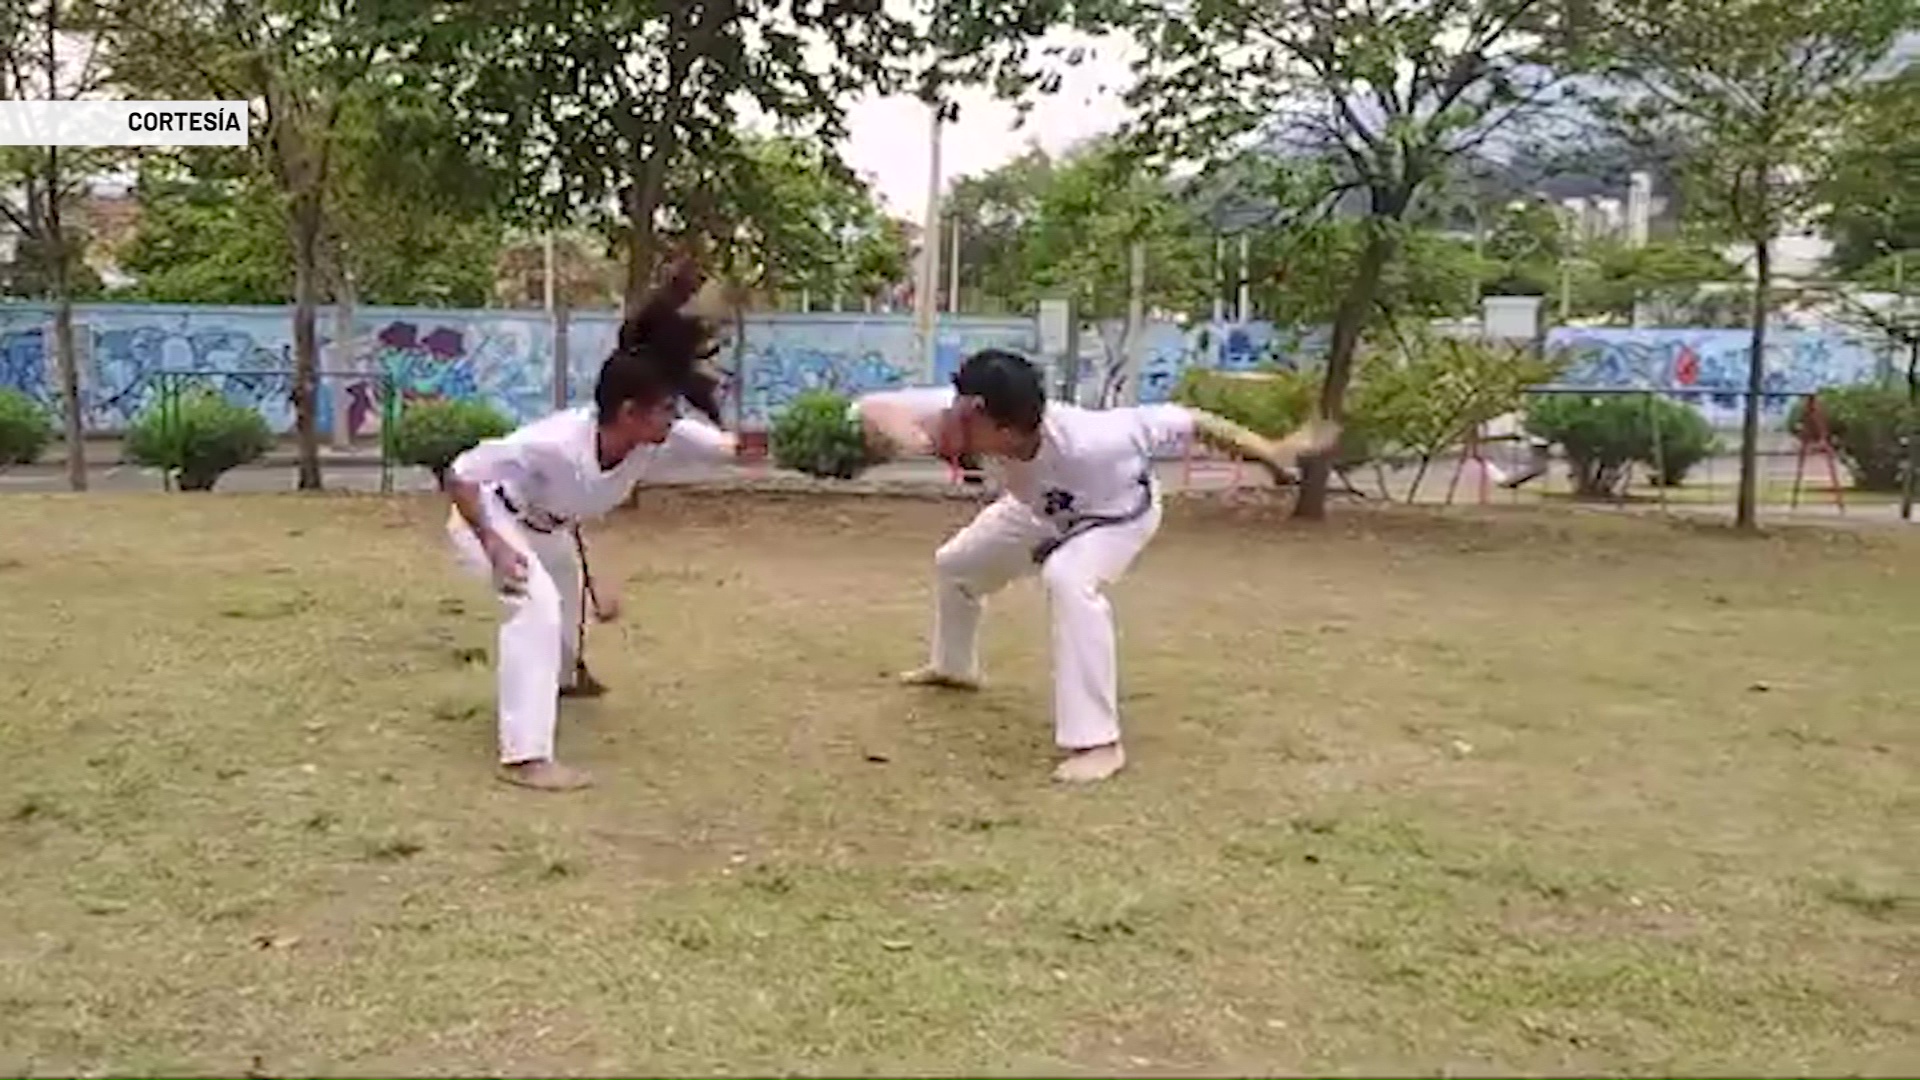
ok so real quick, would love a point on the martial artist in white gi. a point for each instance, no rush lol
(517, 506)
(1080, 502)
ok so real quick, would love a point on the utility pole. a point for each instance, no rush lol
(953, 272)
(926, 291)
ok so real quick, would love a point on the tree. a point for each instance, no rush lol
(585, 276)
(1093, 208)
(1612, 276)
(49, 181)
(993, 209)
(1395, 94)
(414, 217)
(207, 238)
(306, 66)
(210, 237)
(1872, 187)
(1302, 272)
(1527, 243)
(597, 107)
(1756, 89)
(1042, 226)
(878, 261)
(782, 214)
(1441, 391)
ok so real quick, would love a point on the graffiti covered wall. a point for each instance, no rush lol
(1170, 349)
(247, 354)
(1708, 368)
(503, 357)
(507, 358)
(785, 355)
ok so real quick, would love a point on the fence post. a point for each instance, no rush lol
(169, 395)
(388, 388)
(1659, 452)
(562, 369)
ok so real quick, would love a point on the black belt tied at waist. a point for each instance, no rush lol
(539, 521)
(1082, 524)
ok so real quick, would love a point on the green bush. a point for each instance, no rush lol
(1440, 392)
(1686, 440)
(1605, 435)
(199, 438)
(25, 429)
(1865, 424)
(814, 435)
(432, 433)
(1277, 402)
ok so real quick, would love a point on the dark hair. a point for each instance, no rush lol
(674, 343)
(1009, 387)
(625, 377)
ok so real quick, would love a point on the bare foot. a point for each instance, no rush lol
(926, 676)
(1092, 764)
(544, 776)
(584, 685)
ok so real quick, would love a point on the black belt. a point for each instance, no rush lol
(1082, 524)
(554, 522)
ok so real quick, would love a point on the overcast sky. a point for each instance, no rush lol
(888, 138)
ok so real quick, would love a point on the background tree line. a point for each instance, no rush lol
(405, 150)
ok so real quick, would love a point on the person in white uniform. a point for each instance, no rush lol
(1080, 501)
(517, 506)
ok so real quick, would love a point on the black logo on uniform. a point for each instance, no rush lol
(1059, 502)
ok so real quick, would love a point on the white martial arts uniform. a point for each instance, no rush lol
(1093, 464)
(536, 486)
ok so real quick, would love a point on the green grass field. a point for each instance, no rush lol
(1515, 791)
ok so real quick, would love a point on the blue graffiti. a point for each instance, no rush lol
(1169, 349)
(23, 364)
(1709, 368)
(246, 354)
(507, 358)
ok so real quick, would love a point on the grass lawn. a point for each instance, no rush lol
(1510, 791)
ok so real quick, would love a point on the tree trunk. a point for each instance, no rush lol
(71, 405)
(643, 204)
(1746, 515)
(68, 364)
(305, 223)
(1348, 321)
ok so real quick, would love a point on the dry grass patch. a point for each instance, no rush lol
(1511, 792)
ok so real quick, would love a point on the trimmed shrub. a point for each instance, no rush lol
(432, 433)
(1866, 424)
(1605, 435)
(203, 437)
(1686, 440)
(25, 429)
(814, 435)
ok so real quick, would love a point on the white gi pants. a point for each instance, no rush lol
(995, 549)
(539, 629)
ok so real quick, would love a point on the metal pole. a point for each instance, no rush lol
(1912, 444)
(1246, 282)
(556, 325)
(1136, 317)
(1219, 279)
(343, 320)
(953, 272)
(925, 290)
